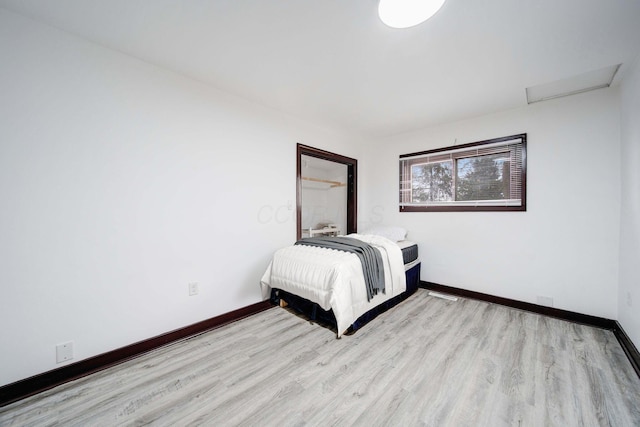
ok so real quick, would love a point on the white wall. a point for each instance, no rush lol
(629, 299)
(121, 183)
(565, 245)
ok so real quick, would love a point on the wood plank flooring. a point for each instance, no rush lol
(427, 362)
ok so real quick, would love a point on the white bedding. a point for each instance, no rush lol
(334, 279)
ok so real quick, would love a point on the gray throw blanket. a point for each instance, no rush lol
(369, 257)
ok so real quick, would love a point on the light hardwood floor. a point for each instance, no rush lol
(427, 362)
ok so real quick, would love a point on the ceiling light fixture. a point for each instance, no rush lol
(407, 13)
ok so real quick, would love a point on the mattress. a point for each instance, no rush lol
(409, 251)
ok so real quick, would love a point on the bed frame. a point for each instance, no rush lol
(316, 314)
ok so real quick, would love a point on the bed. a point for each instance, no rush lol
(329, 285)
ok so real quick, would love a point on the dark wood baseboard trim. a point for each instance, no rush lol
(599, 322)
(629, 349)
(585, 319)
(47, 380)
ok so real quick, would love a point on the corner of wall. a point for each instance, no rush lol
(629, 276)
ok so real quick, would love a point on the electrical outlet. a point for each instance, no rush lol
(193, 289)
(629, 299)
(64, 352)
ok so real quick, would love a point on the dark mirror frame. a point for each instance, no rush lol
(352, 185)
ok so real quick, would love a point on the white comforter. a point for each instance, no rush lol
(334, 279)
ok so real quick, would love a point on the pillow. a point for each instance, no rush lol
(395, 234)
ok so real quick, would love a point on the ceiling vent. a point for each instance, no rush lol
(585, 82)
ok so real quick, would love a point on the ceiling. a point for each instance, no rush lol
(334, 63)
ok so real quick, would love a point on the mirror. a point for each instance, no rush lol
(326, 193)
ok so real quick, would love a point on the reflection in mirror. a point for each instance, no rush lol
(324, 197)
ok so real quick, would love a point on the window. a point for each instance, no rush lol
(480, 176)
